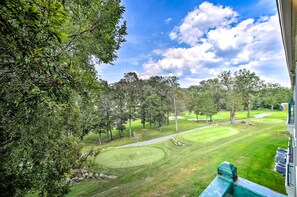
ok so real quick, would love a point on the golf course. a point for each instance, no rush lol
(165, 169)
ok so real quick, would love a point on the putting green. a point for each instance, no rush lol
(130, 157)
(210, 134)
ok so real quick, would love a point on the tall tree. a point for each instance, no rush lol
(131, 92)
(45, 57)
(215, 89)
(273, 94)
(107, 112)
(144, 92)
(233, 98)
(248, 83)
(120, 111)
(208, 105)
(195, 103)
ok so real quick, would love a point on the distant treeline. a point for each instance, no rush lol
(153, 100)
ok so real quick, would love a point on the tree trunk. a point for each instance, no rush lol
(206, 119)
(175, 112)
(107, 135)
(130, 129)
(197, 118)
(232, 119)
(110, 131)
(120, 134)
(168, 120)
(143, 120)
(100, 140)
(232, 116)
(271, 107)
(249, 108)
(210, 118)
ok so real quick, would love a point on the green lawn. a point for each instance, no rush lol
(130, 157)
(211, 134)
(91, 140)
(164, 169)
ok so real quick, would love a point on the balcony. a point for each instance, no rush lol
(290, 127)
(227, 183)
(290, 174)
(290, 119)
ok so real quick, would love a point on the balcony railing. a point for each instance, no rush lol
(291, 112)
(290, 174)
(290, 171)
(290, 120)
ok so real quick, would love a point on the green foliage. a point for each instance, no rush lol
(248, 83)
(45, 57)
(205, 99)
(272, 95)
(209, 107)
(233, 97)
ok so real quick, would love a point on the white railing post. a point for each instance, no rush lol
(295, 135)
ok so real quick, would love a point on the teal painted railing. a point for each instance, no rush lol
(227, 183)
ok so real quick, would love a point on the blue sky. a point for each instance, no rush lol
(196, 40)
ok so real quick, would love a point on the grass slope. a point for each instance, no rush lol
(187, 170)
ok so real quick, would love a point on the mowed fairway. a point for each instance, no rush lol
(130, 157)
(211, 134)
(187, 170)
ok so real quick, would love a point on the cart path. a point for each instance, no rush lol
(160, 139)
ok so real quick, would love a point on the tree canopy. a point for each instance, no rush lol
(47, 54)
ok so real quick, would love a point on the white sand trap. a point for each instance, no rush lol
(261, 115)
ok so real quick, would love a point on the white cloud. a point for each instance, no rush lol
(217, 42)
(168, 20)
(198, 22)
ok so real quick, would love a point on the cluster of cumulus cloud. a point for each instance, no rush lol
(213, 38)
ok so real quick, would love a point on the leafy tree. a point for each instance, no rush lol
(174, 96)
(120, 111)
(144, 92)
(205, 98)
(107, 113)
(215, 89)
(248, 83)
(208, 105)
(153, 111)
(131, 93)
(45, 57)
(273, 94)
(89, 111)
(233, 98)
(164, 88)
(195, 103)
